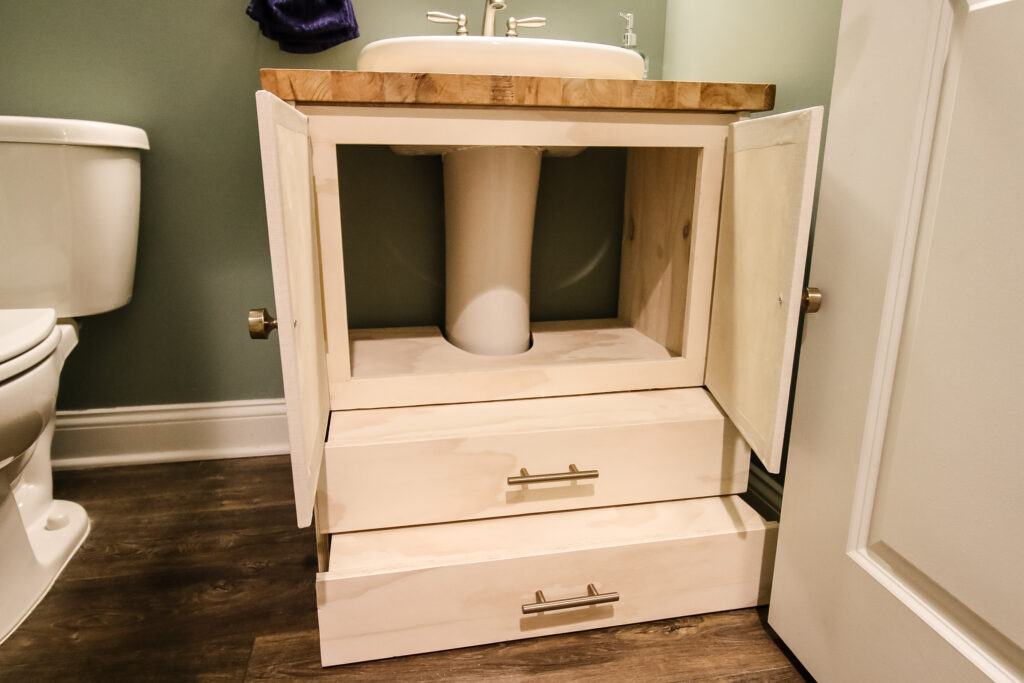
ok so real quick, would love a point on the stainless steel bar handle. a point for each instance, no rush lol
(573, 473)
(591, 598)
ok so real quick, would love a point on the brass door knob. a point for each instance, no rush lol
(261, 323)
(811, 302)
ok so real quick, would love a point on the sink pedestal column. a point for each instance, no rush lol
(490, 199)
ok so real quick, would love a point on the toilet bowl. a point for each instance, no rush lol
(38, 534)
(68, 232)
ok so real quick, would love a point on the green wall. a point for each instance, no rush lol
(392, 207)
(791, 43)
(185, 71)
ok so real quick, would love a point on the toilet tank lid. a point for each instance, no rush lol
(22, 329)
(71, 132)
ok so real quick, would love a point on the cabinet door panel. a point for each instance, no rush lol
(291, 227)
(767, 201)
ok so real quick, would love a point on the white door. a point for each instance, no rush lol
(295, 261)
(901, 547)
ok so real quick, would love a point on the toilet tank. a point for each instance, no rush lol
(69, 213)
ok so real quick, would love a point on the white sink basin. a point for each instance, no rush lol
(500, 56)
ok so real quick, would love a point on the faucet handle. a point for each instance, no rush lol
(529, 22)
(445, 18)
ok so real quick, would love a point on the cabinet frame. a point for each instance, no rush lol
(659, 340)
(709, 200)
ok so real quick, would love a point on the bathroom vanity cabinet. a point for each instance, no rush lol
(462, 499)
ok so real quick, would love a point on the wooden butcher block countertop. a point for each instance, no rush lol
(370, 87)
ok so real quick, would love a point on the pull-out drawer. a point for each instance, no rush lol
(403, 591)
(419, 465)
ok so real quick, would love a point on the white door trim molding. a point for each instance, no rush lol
(140, 435)
(901, 270)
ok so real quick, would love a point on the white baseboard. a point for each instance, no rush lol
(139, 435)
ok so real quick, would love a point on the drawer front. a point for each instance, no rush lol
(629, 448)
(420, 602)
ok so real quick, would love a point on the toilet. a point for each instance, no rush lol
(69, 217)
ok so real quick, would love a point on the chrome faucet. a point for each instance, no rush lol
(490, 7)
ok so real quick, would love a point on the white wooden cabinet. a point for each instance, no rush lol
(428, 540)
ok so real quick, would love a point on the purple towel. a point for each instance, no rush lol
(305, 26)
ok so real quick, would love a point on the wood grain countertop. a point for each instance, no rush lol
(307, 86)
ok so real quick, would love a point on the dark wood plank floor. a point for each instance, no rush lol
(196, 571)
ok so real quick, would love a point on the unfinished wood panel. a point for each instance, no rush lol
(436, 125)
(419, 589)
(660, 193)
(323, 537)
(766, 220)
(295, 261)
(703, 243)
(386, 352)
(428, 423)
(368, 87)
(416, 366)
(332, 263)
(428, 464)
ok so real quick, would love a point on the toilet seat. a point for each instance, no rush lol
(27, 337)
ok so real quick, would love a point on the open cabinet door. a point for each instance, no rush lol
(767, 199)
(291, 225)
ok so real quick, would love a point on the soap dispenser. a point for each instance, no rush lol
(629, 38)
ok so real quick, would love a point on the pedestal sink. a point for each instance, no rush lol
(491, 192)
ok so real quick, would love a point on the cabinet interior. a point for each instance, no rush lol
(625, 235)
(392, 210)
(610, 270)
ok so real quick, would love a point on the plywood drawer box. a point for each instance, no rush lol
(426, 464)
(418, 589)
